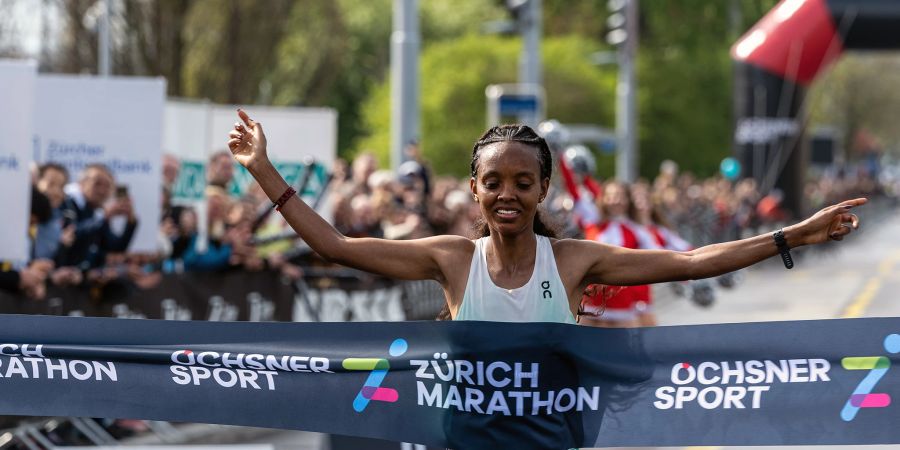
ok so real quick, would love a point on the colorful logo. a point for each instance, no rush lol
(372, 390)
(877, 366)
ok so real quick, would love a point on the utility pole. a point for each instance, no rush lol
(624, 34)
(103, 44)
(404, 78)
(530, 61)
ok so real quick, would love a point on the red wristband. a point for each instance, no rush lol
(284, 198)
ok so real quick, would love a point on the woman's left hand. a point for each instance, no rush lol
(831, 223)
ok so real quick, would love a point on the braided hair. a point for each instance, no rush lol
(522, 134)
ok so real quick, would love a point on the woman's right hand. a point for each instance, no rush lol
(247, 142)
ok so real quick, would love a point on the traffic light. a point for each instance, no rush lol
(515, 7)
(518, 11)
(518, 18)
(616, 34)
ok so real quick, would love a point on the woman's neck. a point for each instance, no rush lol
(512, 251)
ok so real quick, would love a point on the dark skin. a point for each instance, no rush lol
(508, 188)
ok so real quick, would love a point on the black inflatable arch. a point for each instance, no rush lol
(776, 60)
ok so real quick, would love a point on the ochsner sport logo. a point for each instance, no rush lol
(378, 368)
(239, 370)
(862, 396)
(735, 384)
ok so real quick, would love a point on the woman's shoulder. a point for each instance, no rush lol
(450, 243)
(572, 246)
(565, 243)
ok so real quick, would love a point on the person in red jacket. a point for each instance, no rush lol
(617, 306)
(651, 221)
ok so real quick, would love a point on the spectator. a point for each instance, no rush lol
(88, 205)
(414, 183)
(29, 281)
(51, 182)
(218, 203)
(413, 152)
(220, 170)
(43, 241)
(362, 168)
(171, 166)
(363, 220)
(617, 306)
(219, 252)
(464, 212)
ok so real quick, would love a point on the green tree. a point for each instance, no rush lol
(307, 52)
(231, 47)
(156, 43)
(685, 80)
(454, 76)
(336, 54)
(859, 93)
(452, 19)
(684, 72)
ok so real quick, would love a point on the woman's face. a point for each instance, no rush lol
(640, 195)
(509, 187)
(615, 200)
(52, 185)
(188, 221)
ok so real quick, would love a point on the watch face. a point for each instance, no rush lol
(779, 238)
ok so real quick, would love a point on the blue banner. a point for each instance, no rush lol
(469, 384)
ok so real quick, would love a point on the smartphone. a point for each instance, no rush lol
(69, 217)
(121, 191)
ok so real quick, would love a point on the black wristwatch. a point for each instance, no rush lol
(783, 249)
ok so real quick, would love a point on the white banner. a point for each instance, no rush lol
(17, 97)
(116, 121)
(187, 130)
(195, 130)
(293, 134)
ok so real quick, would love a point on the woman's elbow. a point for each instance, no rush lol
(334, 252)
(693, 267)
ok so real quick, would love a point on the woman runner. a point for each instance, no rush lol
(517, 271)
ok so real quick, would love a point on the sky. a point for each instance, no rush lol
(25, 19)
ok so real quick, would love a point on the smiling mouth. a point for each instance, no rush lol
(504, 213)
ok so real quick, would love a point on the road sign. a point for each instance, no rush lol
(522, 103)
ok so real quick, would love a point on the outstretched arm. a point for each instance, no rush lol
(619, 266)
(413, 259)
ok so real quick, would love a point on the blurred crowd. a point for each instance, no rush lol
(82, 224)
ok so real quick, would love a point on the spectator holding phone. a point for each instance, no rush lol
(91, 207)
(51, 181)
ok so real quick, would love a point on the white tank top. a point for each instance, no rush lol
(542, 299)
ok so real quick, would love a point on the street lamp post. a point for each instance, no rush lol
(103, 64)
(404, 78)
(624, 34)
(530, 61)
